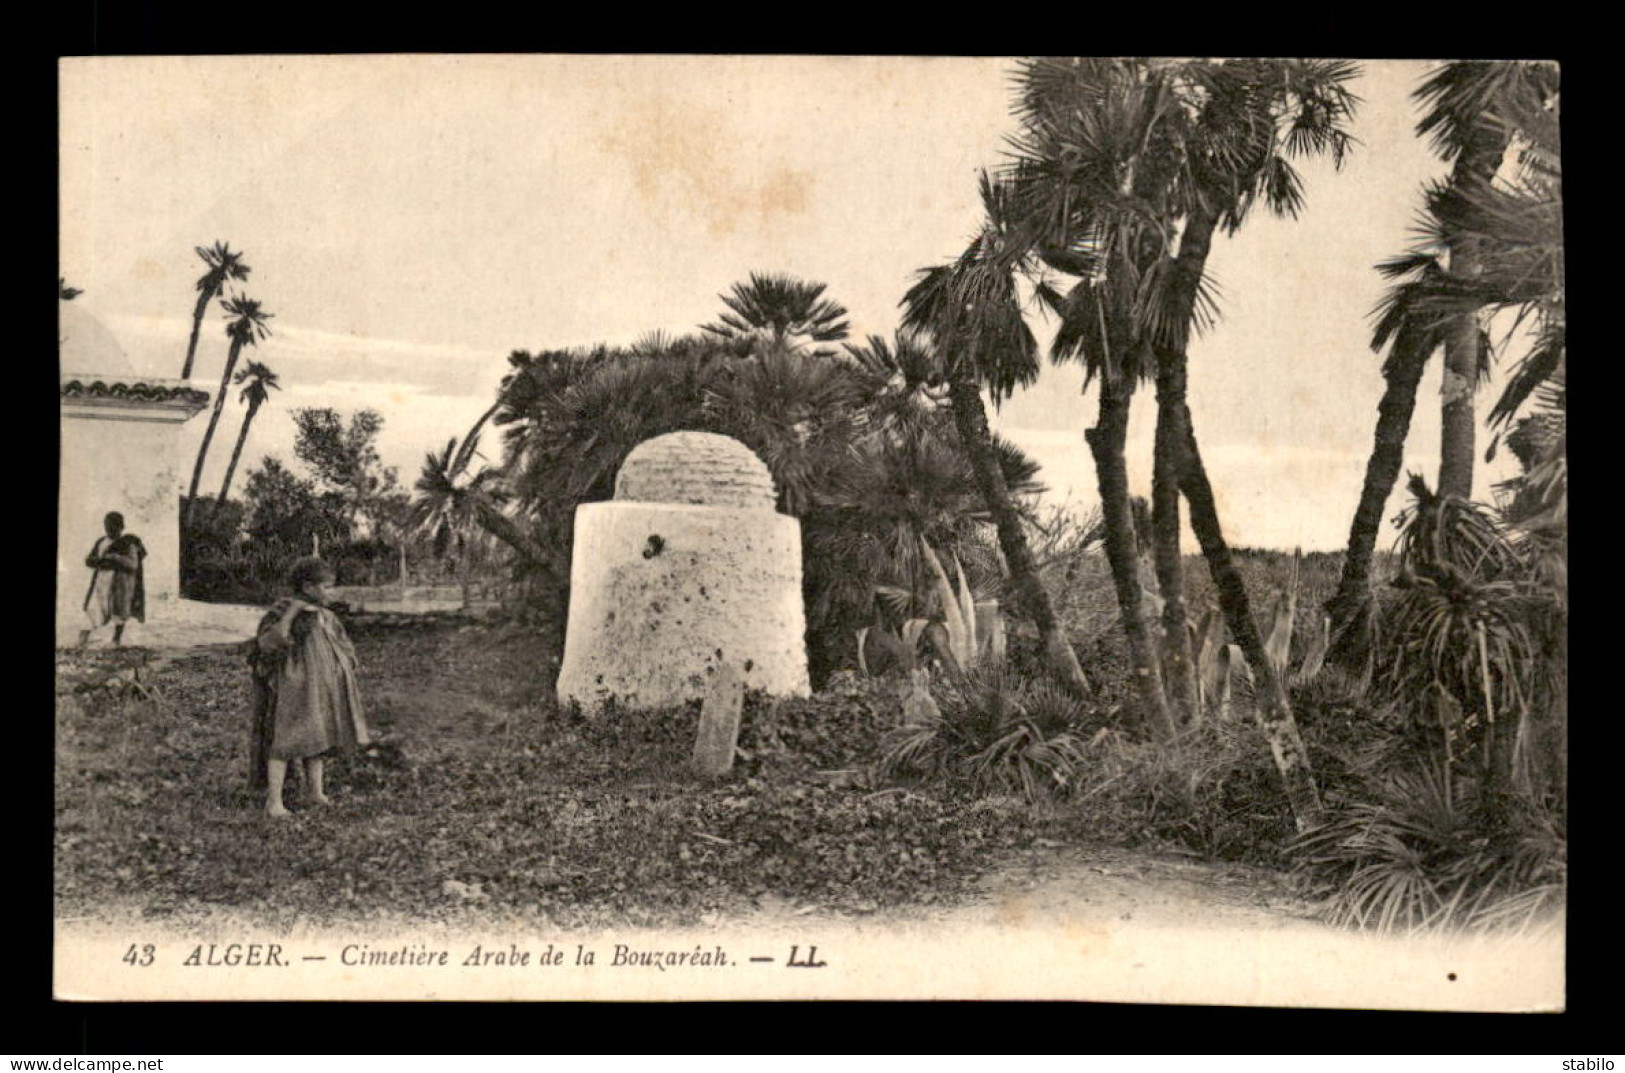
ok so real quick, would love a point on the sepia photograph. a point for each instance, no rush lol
(728, 527)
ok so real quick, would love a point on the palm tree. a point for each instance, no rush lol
(788, 312)
(799, 412)
(1093, 169)
(910, 495)
(1512, 235)
(456, 503)
(258, 381)
(1537, 500)
(65, 292)
(456, 500)
(1350, 606)
(1124, 169)
(1467, 117)
(1256, 115)
(245, 327)
(972, 309)
(904, 377)
(224, 265)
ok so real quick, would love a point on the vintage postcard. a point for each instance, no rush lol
(736, 527)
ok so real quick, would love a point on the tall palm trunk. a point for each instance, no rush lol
(1178, 453)
(1106, 442)
(198, 313)
(971, 419)
(1350, 606)
(465, 573)
(1273, 709)
(236, 453)
(508, 531)
(1178, 662)
(1179, 458)
(208, 433)
(1173, 415)
(1475, 167)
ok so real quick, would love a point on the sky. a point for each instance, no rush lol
(410, 220)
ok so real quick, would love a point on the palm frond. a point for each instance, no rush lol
(781, 308)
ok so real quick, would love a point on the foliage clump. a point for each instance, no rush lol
(994, 731)
(1410, 853)
(350, 506)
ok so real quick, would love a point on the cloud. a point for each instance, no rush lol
(306, 356)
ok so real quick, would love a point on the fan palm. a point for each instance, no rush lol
(911, 494)
(1470, 110)
(916, 489)
(1105, 172)
(457, 501)
(786, 311)
(800, 413)
(257, 381)
(1488, 245)
(972, 310)
(224, 266)
(572, 419)
(1095, 166)
(1213, 141)
(245, 326)
(905, 381)
(1537, 500)
(1256, 116)
(1123, 171)
(456, 496)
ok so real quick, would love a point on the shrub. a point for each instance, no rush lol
(1472, 648)
(996, 729)
(1415, 854)
(1213, 791)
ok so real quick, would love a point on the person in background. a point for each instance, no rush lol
(307, 701)
(117, 591)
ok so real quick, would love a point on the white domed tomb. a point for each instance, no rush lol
(688, 566)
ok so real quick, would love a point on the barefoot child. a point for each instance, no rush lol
(307, 703)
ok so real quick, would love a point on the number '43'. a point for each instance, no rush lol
(138, 955)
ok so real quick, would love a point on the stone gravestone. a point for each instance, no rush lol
(719, 722)
(919, 707)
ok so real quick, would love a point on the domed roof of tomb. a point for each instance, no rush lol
(700, 468)
(85, 345)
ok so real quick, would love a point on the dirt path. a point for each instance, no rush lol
(1053, 882)
(1105, 924)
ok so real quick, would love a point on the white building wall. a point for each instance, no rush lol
(125, 460)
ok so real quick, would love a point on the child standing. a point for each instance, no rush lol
(117, 592)
(307, 702)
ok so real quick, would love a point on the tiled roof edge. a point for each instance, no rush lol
(135, 390)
